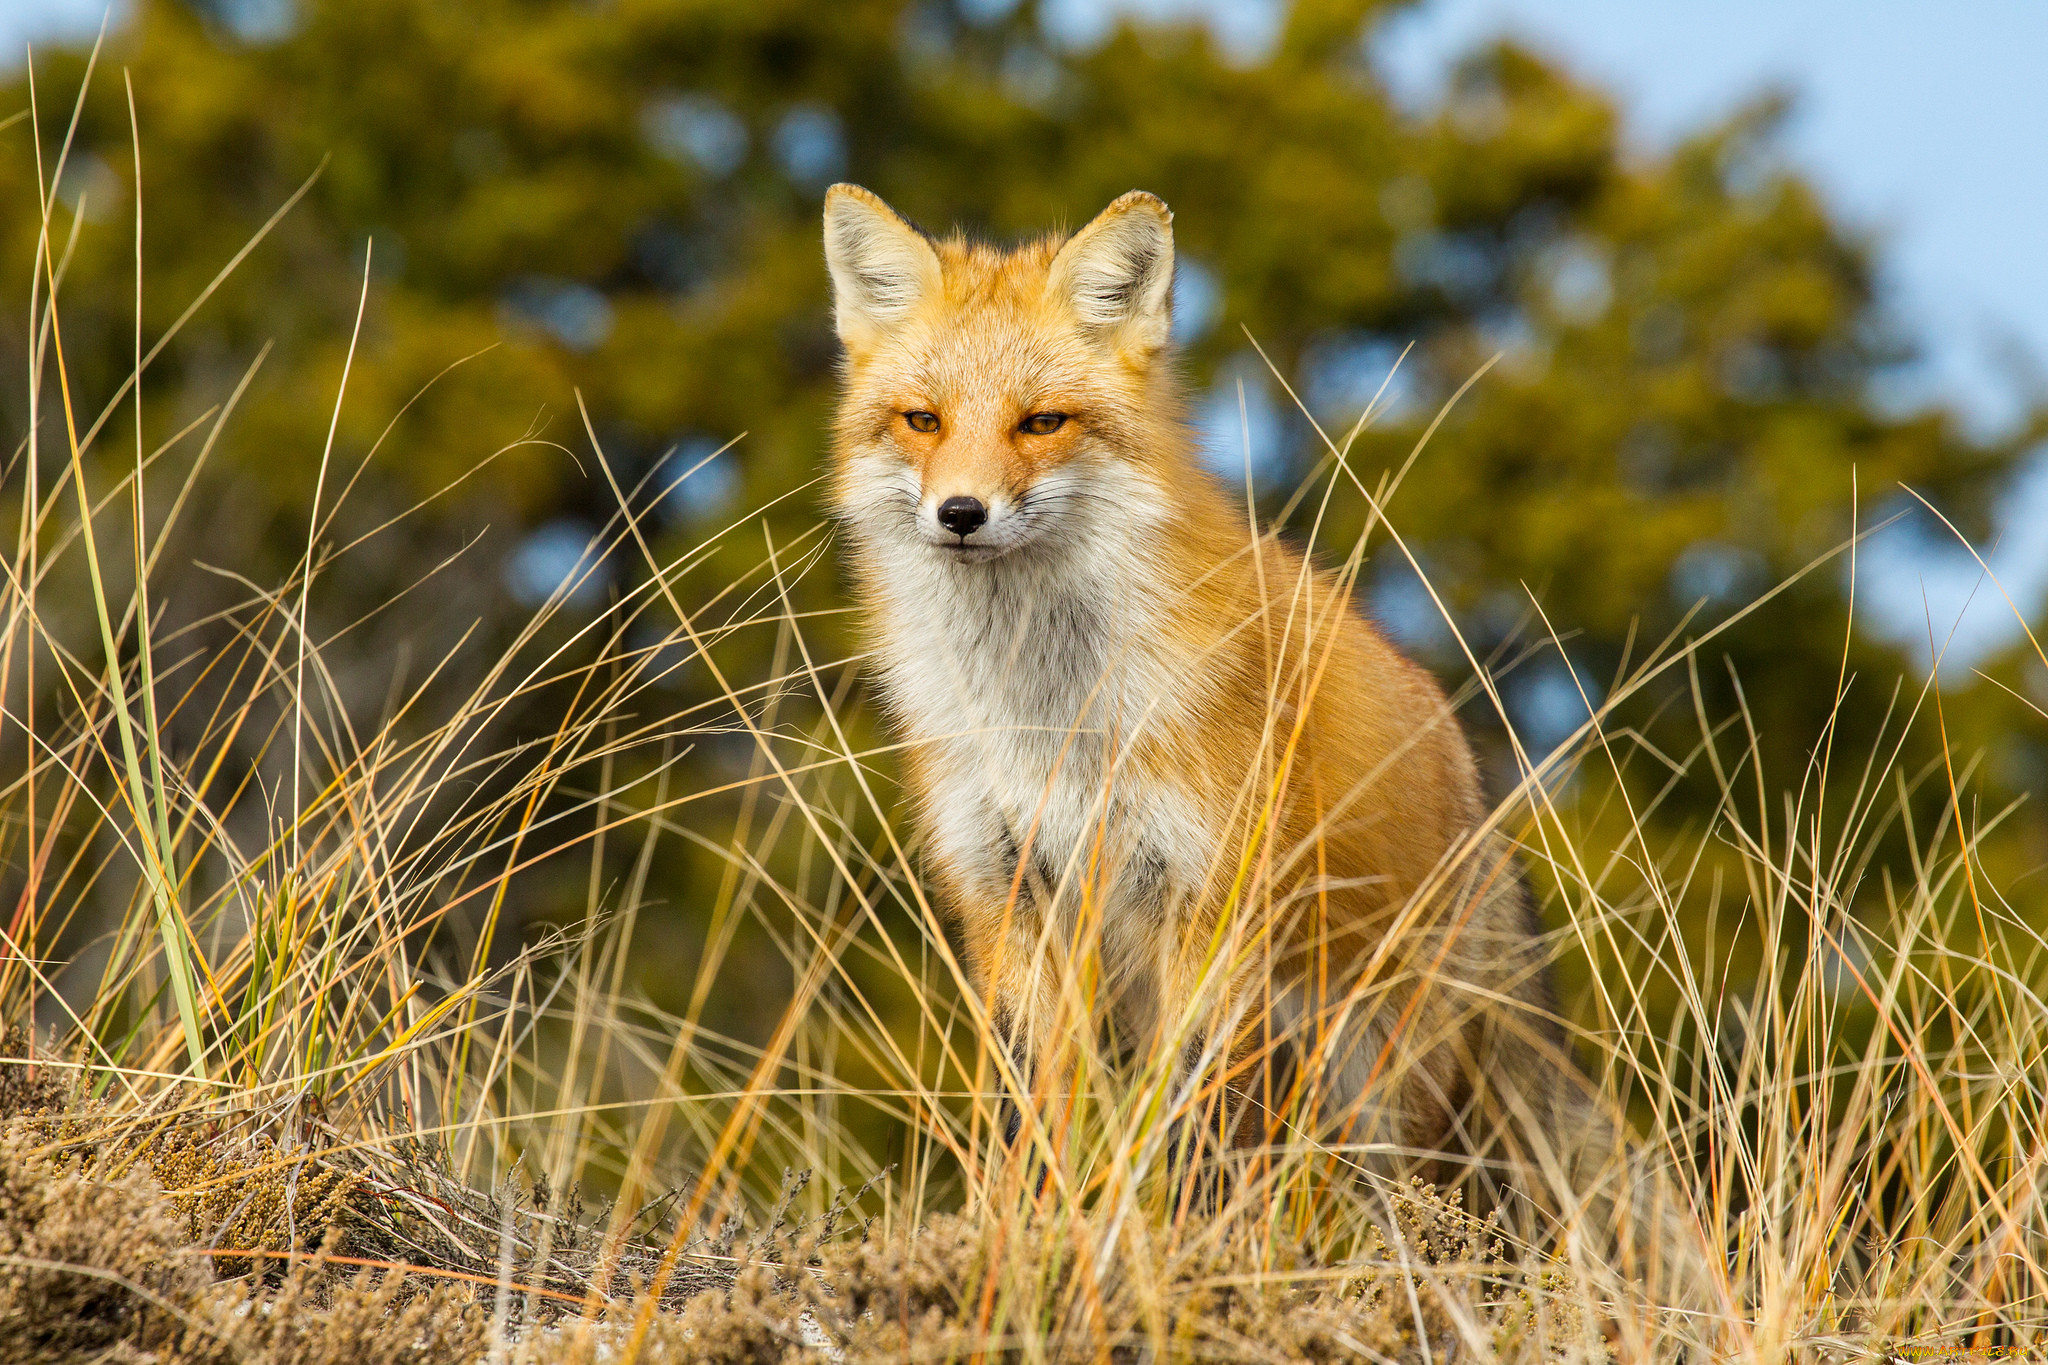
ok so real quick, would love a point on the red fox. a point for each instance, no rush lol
(1138, 729)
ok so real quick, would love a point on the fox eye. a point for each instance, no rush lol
(926, 422)
(1042, 423)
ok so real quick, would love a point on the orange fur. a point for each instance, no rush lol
(1145, 739)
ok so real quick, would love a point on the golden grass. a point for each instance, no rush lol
(285, 978)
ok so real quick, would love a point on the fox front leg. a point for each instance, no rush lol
(1220, 1078)
(1015, 986)
(1019, 1020)
(1017, 1086)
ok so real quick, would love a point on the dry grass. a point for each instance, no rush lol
(103, 1250)
(303, 1102)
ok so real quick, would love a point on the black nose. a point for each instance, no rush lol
(962, 516)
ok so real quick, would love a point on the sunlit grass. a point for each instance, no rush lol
(300, 919)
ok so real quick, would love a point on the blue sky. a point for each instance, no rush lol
(1927, 125)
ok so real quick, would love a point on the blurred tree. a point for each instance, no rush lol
(623, 199)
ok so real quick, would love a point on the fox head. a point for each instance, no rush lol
(1001, 403)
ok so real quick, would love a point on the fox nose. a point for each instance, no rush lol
(962, 516)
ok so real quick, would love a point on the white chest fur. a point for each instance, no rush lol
(1033, 683)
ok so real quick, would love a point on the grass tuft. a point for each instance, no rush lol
(286, 1080)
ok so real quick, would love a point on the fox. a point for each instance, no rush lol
(1121, 703)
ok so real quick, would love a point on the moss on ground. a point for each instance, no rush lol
(113, 1226)
(105, 1259)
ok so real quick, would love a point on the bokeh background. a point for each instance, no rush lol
(1751, 274)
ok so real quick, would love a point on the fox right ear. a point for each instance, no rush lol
(881, 265)
(1118, 271)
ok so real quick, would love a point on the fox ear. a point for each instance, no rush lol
(881, 265)
(1118, 271)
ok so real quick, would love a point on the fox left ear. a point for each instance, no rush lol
(881, 265)
(1118, 271)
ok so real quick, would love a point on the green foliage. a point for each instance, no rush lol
(622, 201)
(303, 832)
